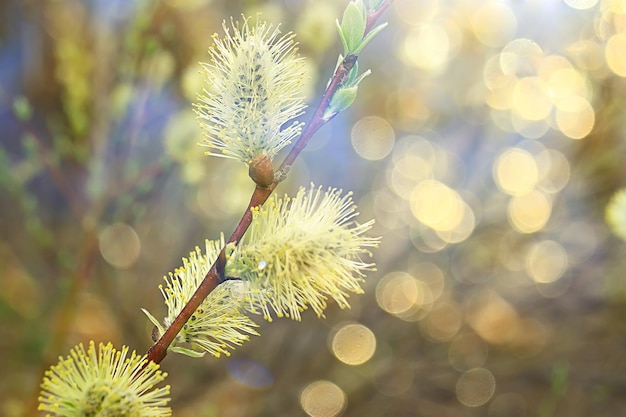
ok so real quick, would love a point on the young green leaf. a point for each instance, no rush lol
(341, 100)
(352, 26)
(369, 37)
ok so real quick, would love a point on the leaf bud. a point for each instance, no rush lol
(261, 170)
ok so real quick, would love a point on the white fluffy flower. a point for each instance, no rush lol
(253, 91)
(300, 252)
(104, 382)
(220, 323)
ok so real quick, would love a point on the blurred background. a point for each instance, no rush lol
(486, 144)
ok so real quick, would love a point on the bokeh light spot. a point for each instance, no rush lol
(530, 212)
(387, 209)
(426, 239)
(463, 229)
(554, 171)
(546, 261)
(587, 54)
(475, 387)
(436, 205)
(494, 24)
(516, 172)
(565, 83)
(615, 213)
(616, 6)
(614, 53)
(427, 47)
(413, 12)
(531, 129)
(556, 288)
(520, 57)
(372, 138)
(531, 98)
(119, 245)
(493, 76)
(323, 399)
(443, 322)
(432, 276)
(406, 172)
(353, 344)
(575, 117)
(551, 65)
(399, 294)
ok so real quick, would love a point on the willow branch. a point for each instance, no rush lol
(215, 276)
(373, 16)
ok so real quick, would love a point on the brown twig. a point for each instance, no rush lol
(215, 276)
(373, 16)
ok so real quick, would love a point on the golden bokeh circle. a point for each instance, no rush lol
(353, 344)
(323, 399)
(475, 387)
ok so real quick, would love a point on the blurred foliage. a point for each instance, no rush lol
(486, 143)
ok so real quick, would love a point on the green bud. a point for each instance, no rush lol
(352, 26)
(341, 100)
(346, 92)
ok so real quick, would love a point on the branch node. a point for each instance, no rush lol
(261, 170)
(281, 173)
(349, 61)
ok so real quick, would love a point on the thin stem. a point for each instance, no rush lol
(317, 120)
(373, 16)
(216, 276)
